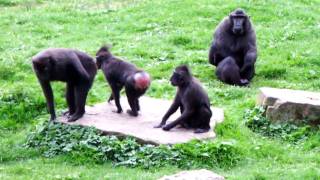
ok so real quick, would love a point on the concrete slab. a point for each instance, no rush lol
(101, 117)
(201, 174)
(268, 96)
(290, 105)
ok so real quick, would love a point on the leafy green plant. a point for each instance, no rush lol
(88, 145)
(257, 122)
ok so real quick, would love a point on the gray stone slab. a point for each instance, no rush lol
(201, 174)
(288, 105)
(101, 117)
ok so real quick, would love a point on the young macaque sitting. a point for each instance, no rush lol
(192, 100)
(121, 74)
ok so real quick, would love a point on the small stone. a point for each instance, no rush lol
(141, 127)
(201, 174)
(290, 105)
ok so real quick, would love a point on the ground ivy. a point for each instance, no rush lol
(88, 144)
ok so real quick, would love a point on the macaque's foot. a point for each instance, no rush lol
(75, 117)
(200, 130)
(132, 113)
(117, 111)
(244, 82)
(68, 113)
(166, 128)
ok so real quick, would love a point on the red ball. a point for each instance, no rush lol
(142, 80)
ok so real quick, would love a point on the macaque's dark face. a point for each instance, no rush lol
(101, 56)
(176, 79)
(179, 76)
(99, 61)
(42, 69)
(238, 23)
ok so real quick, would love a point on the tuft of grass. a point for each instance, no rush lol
(8, 3)
(181, 40)
(273, 72)
(25, 3)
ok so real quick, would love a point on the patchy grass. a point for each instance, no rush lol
(157, 36)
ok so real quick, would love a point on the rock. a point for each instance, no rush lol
(290, 105)
(201, 174)
(101, 117)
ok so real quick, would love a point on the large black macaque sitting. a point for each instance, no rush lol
(234, 50)
(74, 67)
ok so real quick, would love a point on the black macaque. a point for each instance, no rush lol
(192, 100)
(74, 67)
(121, 74)
(234, 50)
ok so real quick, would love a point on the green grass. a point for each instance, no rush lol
(157, 36)
(57, 169)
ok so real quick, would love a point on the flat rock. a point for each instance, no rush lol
(201, 174)
(290, 105)
(102, 117)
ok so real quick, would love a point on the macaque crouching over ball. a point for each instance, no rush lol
(121, 74)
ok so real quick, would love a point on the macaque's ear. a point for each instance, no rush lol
(104, 50)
